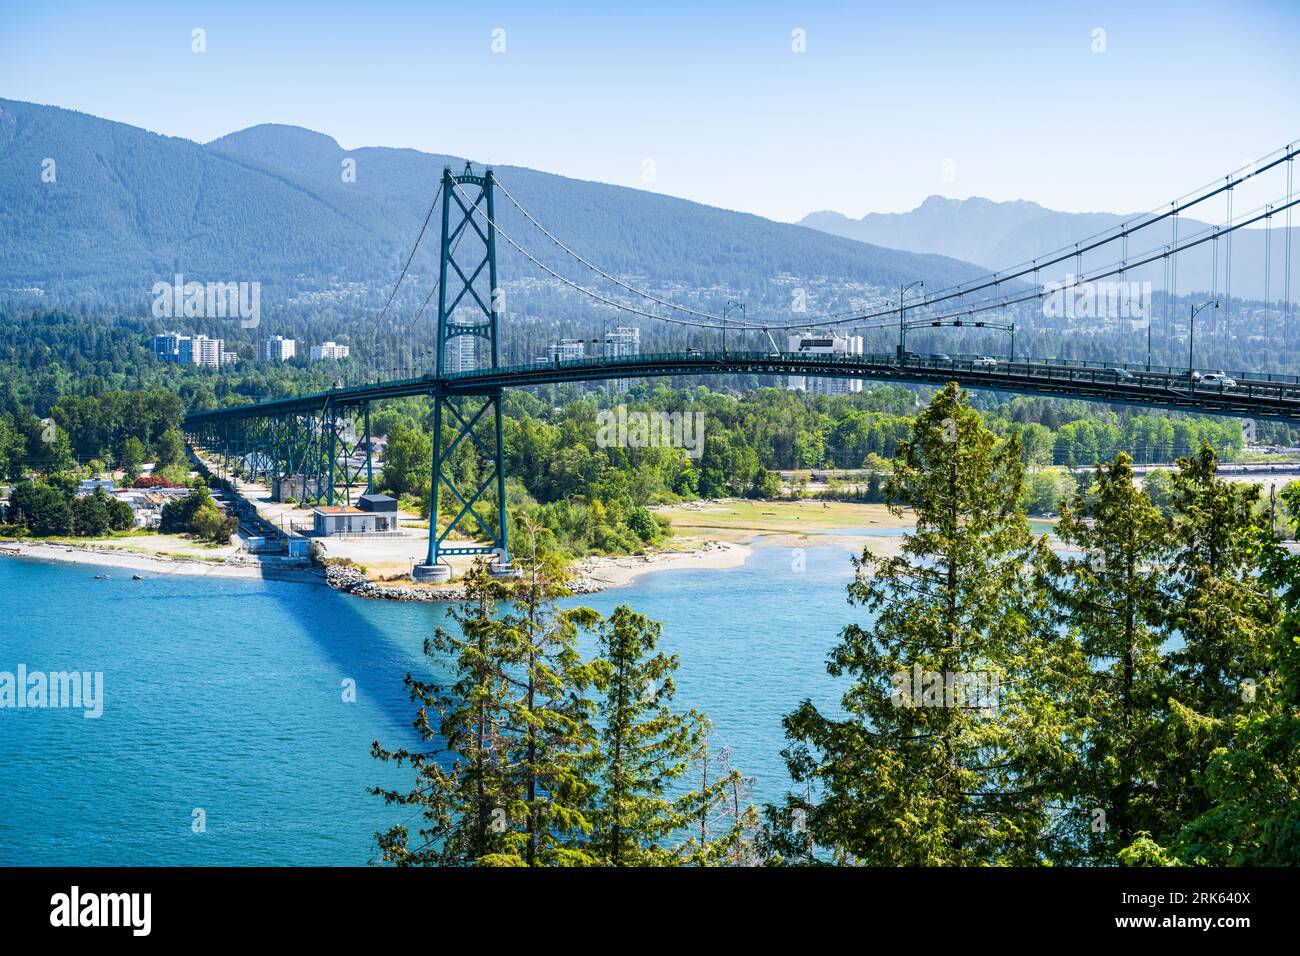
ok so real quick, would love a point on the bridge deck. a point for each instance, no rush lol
(1252, 395)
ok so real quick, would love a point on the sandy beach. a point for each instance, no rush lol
(596, 574)
(603, 573)
(147, 565)
(712, 536)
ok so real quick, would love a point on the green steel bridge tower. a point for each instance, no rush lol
(467, 270)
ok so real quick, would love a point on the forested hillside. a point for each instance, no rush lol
(122, 208)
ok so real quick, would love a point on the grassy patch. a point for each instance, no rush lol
(777, 516)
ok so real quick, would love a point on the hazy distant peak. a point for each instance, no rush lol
(937, 202)
(974, 229)
(277, 136)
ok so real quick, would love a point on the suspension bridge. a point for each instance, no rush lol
(324, 439)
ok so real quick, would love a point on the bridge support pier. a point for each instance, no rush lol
(431, 573)
(446, 412)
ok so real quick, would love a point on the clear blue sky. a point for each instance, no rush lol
(865, 120)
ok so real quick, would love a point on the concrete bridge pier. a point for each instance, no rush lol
(431, 573)
(502, 568)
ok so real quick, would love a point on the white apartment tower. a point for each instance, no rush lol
(328, 350)
(824, 343)
(276, 349)
(568, 349)
(191, 350)
(460, 354)
(623, 341)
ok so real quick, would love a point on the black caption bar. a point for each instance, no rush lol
(233, 905)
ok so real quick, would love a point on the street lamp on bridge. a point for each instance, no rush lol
(902, 325)
(1191, 340)
(726, 310)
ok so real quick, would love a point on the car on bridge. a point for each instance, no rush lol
(1219, 379)
(985, 360)
(1121, 374)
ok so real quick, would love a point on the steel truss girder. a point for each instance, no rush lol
(317, 444)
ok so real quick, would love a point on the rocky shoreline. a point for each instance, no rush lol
(590, 576)
(354, 582)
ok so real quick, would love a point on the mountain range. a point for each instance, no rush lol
(998, 235)
(92, 206)
(98, 210)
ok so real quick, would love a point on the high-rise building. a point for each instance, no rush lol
(460, 355)
(198, 350)
(168, 346)
(623, 341)
(205, 351)
(824, 343)
(328, 350)
(568, 349)
(276, 349)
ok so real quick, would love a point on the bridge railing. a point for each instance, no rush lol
(961, 361)
(972, 367)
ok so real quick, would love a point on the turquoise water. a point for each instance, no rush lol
(1036, 525)
(227, 695)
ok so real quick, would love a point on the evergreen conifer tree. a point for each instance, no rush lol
(953, 730)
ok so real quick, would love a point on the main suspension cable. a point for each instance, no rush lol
(374, 333)
(423, 227)
(961, 290)
(592, 293)
(599, 271)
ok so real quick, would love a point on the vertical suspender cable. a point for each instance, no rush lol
(1173, 266)
(1268, 255)
(1169, 307)
(1286, 320)
(1214, 265)
(397, 285)
(1227, 271)
(1123, 265)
